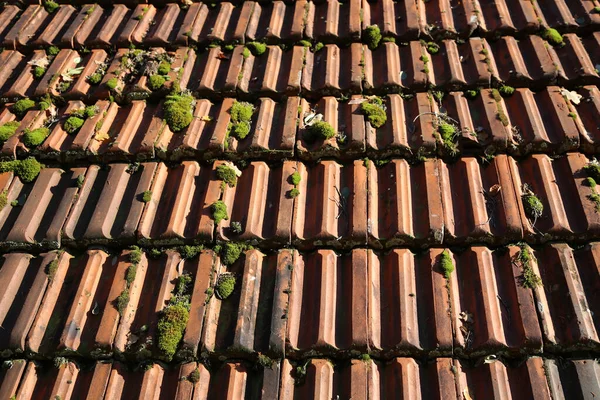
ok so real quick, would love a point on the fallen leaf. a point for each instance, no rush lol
(494, 190)
(490, 359)
(75, 71)
(311, 118)
(357, 101)
(573, 96)
(223, 56)
(40, 62)
(101, 136)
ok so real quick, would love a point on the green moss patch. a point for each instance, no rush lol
(506, 91)
(27, 169)
(38, 72)
(8, 129)
(372, 36)
(156, 82)
(553, 37)
(446, 265)
(374, 110)
(164, 67)
(188, 252)
(532, 205)
(179, 111)
(146, 196)
(52, 51)
(225, 286)
(194, 376)
(3, 199)
(524, 258)
(230, 252)
(174, 318)
(256, 48)
(112, 83)
(21, 107)
(33, 138)
(219, 211)
(241, 119)
(50, 6)
(227, 174)
(319, 130)
(73, 124)
(295, 178)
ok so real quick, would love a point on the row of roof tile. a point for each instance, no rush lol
(331, 71)
(337, 205)
(329, 21)
(526, 122)
(301, 305)
(444, 378)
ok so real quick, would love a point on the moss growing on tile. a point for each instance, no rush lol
(174, 318)
(73, 124)
(179, 111)
(524, 258)
(52, 51)
(135, 255)
(194, 376)
(365, 357)
(265, 361)
(95, 79)
(294, 192)
(112, 83)
(164, 67)
(506, 91)
(592, 169)
(295, 178)
(532, 205)
(230, 252)
(227, 174)
(3, 199)
(8, 129)
(80, 180)
(38, 72)
(51, 269)
(374, 110)
(446, 264)
(146, 196)
(471, 94)
(122, 302)
(372, 36)
(50, 6)
(245, 53)
(241, 117)
(140, 16)
(553, 37)
(219, 211)
(319, 130)
(15, 203)
(318, 47)
(27, 169)
(21, 107)
(156, 82)
(225, 286)
(388, 39)
(304, 43)
(188, 252)
(432, 48)
(256, 48)
(33, 138)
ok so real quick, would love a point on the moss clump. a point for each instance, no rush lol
(122, 301)
(52, 51)
(164, 68)
(21, 107)
(130, 274)
(188, 252)
(38, 72)
(446, 131)
(506, 91)
(265, 361)
(146, 196)
(446, 264)
(112, 83)
(592, 169)
(295, 178)
(245, 53)
(8, 129)
(50, 6)
(293, 193)
(374, 110)
(241, 117)
(73, 124)
(319, 130)
(256, 48)
(365, 357)
(3, 199)
(471, 94)
(533, 206)
(219, 211)
(85, 113)
(591, 182)
(51, 269)
(80, 180)
(553, 37)
(35, 137)
(135, 255)
(172, 323)
(95, 79)
(225, 286)
(230, 252)
(388, 39)
(227, 175)
(529, 278)
(433, 48)
(194, 376)
(156, 82)
(372, 36)
(318, 47)
(179, 111)
(304, 43)
(27, 169)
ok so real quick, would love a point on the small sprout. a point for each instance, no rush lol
(188, 252)
(52, 51)
(295, 178)
(506, 91)
(225, 286)
(256, 48)
(446, 264)
(50, 6)
(294, 193)
(95, 79)
(318, 47)
(8, 129)
(80, 180)
(73, 124)
(374, 110)
(146, 196)
(156, 82)
(227, 174)
(236, 227)
(179, 111)
(21, 107)
(112, 83)
(38, 72)
(194, 376)
(553, 37)
(319, 130)
(372, 36)
(228, 48)
(219, 211)
(164, 68)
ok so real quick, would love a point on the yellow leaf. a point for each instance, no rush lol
(102, 136)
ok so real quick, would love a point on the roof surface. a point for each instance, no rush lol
(392, 261)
